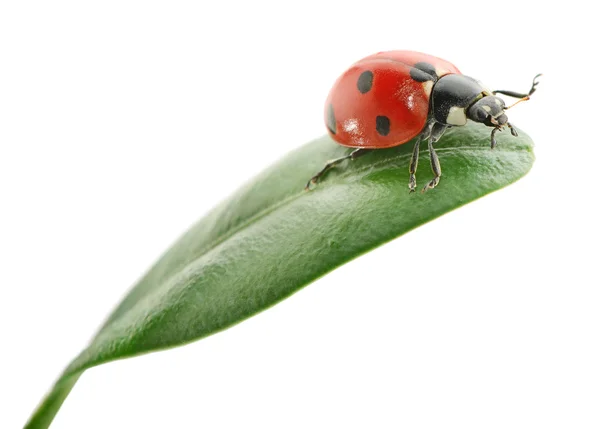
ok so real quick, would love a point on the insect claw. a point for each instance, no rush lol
(412, 184)
(493, 137)
(312, 181)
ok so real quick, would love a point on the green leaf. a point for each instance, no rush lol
(271, 238)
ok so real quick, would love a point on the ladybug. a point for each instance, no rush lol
(388, 98)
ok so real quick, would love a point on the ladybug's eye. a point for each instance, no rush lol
(481, 115)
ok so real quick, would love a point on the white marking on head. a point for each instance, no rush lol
(487, 108)
(456, 116)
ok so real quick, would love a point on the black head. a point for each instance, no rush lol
(489, 110)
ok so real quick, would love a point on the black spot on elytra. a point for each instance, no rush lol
(331, 122)
(382, 125)
(365, 81)
(422, 72)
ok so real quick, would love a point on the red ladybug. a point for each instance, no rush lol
(388, 98)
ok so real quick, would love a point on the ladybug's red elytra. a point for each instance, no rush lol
(388, 98)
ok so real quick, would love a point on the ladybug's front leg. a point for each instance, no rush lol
(513, 131)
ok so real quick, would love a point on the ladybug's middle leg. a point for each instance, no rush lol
(332, 163)
(414, 163)
(414, 159)
(437, 132)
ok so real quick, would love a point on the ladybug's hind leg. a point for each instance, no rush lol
(332, 163)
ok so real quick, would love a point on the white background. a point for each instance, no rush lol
(122, 122)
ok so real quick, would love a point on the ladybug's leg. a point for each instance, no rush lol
(513, 131)
(435, 167)
(436, 133)
(414, 162)
(519, 95)
(493, 137)
(332, 163)
(414, 159)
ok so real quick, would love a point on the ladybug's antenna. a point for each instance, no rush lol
(517, 102)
